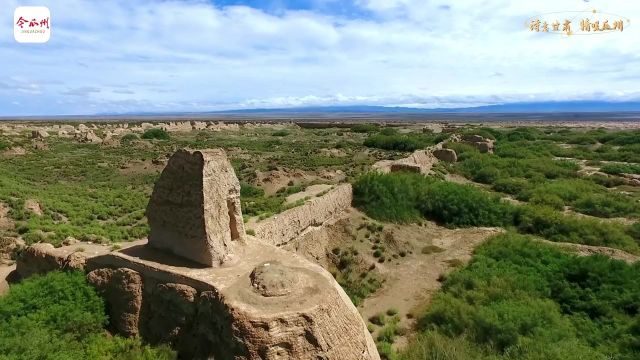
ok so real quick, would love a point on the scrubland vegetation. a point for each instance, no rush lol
(99, 193)
(391, 139)
(60, 316)
(520, 299)
(405, 198)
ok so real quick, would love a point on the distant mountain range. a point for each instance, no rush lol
(524, 107)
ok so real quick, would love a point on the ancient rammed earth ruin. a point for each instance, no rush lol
(212, 291)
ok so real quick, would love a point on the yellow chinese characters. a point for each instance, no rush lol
(586, 25)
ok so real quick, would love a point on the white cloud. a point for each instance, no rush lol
(150, 55)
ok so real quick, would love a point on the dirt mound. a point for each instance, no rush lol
(420, 161)
(33, 206)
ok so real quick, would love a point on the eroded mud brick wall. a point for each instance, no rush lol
(286, 226)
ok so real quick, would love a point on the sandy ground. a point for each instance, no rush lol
(411, 281)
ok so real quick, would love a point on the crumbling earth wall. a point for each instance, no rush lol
(288, 225)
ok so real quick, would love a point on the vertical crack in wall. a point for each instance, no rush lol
(233, 219)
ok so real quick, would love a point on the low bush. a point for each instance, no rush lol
(617, 169)
(607, 205)
(365, 128)
(389, 197)
(157, 134)
(393, 142)
(463, 206)
(358, 285)
(281, 133)
(129, 138)
(556, 226)
(512, 186)
(404, 197)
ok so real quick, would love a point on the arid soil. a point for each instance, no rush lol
(411, 281)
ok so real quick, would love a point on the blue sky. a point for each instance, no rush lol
(172, 56)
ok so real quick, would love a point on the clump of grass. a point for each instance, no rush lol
(431, 249)
(157, 134)
(378, 319)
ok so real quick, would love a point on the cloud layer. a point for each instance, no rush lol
(152, 55)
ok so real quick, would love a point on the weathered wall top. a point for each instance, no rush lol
(194, 211)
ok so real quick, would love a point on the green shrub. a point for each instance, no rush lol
(512, 186)
(546, 199)
(607, 205)
(365, 128)
(281, 133)
(386, 351)
(389, 333)
(556, 226)
(393, 142)
(634, 231)
(463, 206)
(617, 169)
(432, 345)
(606, 181)
(403, 197)
(462, 150)
(388, 197)
(60, 316)
(378, 319)
(158, 134)
(129, 138)
(569, 190)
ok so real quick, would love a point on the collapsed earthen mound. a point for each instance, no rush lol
(446, 155)
(420, 161)
(483, 145)
(274, 279)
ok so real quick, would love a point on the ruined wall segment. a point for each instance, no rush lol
(194, 211)
(288, 225)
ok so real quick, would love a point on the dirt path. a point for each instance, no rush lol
(411, 281)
